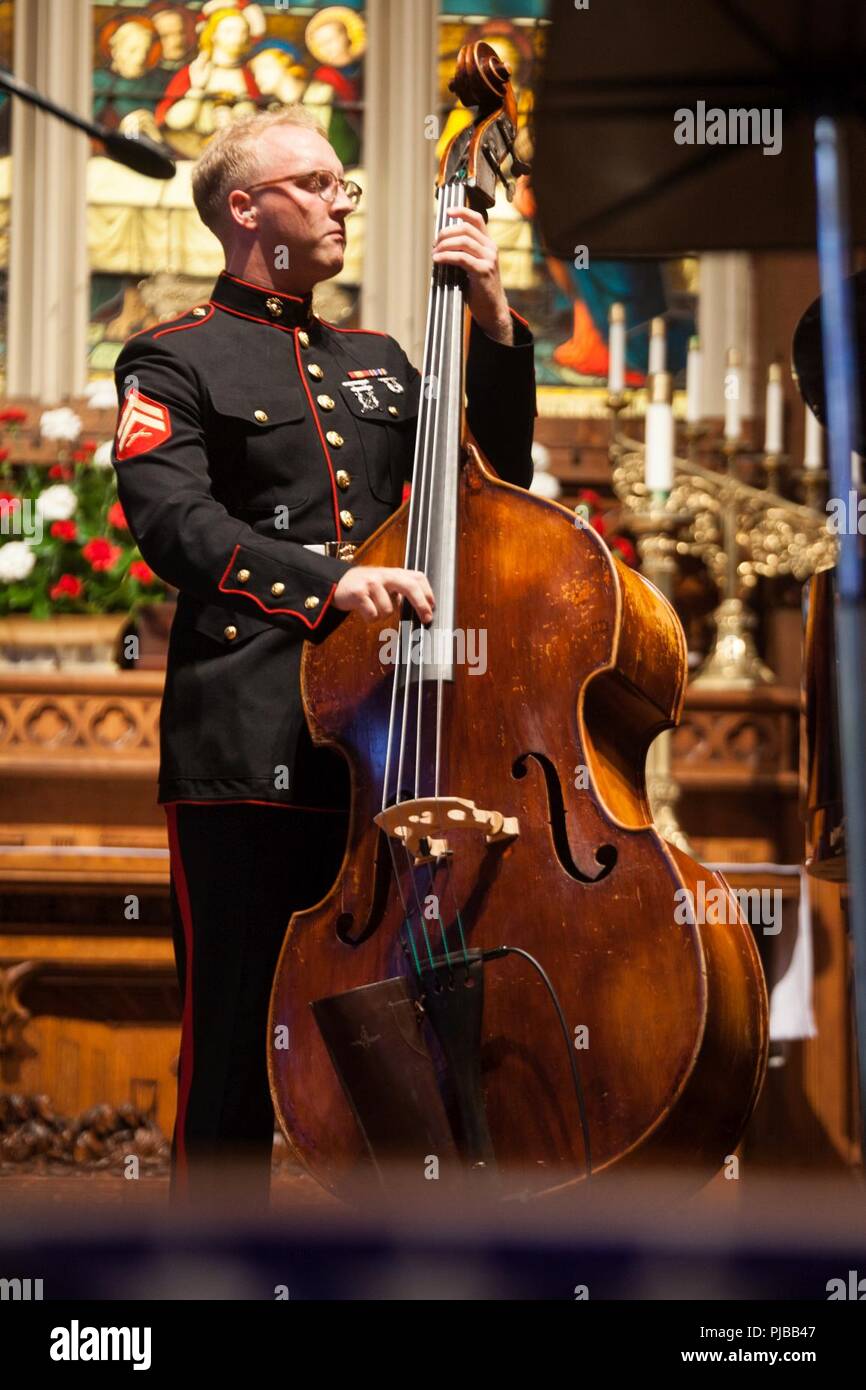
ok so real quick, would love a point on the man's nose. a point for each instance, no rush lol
(342, 204)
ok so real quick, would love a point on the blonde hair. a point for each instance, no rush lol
(232, 160)
(205, 41)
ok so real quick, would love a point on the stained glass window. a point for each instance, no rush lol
(566, 303)
(179, 72)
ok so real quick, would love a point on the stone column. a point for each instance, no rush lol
(400, 162)
(48, 266)
(726, 319)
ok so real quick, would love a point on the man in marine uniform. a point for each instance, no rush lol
(256, 446)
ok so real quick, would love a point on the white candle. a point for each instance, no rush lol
(658, 348)
(774, 436)
(694, 367)
(659, 450)
(733, 392)
(813, 454)
(616, 350)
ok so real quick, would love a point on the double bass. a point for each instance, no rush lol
(500, 987)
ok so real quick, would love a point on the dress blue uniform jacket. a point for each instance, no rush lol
(246, 428)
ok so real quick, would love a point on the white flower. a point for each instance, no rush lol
(101, 395)
(102, 457)
(540, 457)
(16, 561)
(61, 424)
(56, 503)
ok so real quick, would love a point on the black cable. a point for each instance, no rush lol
(581, 1103)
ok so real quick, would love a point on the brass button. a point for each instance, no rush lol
(262, 417)
(278, 589)
(325, 402)
(304, 339)
(347, 519)
(199, 312)
(343, 479)
(315, 371)
(334, 439)
(274, 307)
(230, 633)
(243, 576)
(392, 410)
(311, 602)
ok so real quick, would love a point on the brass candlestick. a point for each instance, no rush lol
(740, 533)
(656, 527)
(813, 486)
(733, 663)
(617, 402)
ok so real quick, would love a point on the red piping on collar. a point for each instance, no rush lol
(265, 289)
(269, 323)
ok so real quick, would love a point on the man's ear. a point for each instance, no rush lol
(242, 211)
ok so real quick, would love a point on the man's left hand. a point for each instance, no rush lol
(467, 243)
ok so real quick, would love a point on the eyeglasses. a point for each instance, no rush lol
(320, 181)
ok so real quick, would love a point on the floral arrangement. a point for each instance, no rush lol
(65, 546)
(588, 506)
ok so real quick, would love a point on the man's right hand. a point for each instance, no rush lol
(368, 588)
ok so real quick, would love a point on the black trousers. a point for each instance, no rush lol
(238, 872)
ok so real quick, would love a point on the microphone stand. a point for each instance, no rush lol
(136, 152)
(842, 397)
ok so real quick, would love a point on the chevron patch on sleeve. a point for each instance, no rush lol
(143, 424)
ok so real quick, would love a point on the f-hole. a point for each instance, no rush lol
(605, 855)
(382, 875)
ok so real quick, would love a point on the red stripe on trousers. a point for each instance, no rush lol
(186, 1037)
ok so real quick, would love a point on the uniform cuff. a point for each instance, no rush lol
(522, 335)
(301, 590)
(498, 372)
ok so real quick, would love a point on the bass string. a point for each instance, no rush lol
(452, 310)
(419, 474)
(419, 478)
(444, 319)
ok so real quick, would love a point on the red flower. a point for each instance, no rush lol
(592, 499)
(67, 586)
(60, 470)
(625, 549)
(84, 453)
(142, 572)
(101, 554)
(4, 454)
(64, 530)
(116, 517)
(598, 524)
(13, 415)
(8, 500)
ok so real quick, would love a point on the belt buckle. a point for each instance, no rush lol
(344, 550)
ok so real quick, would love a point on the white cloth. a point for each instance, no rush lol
(790, 971)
